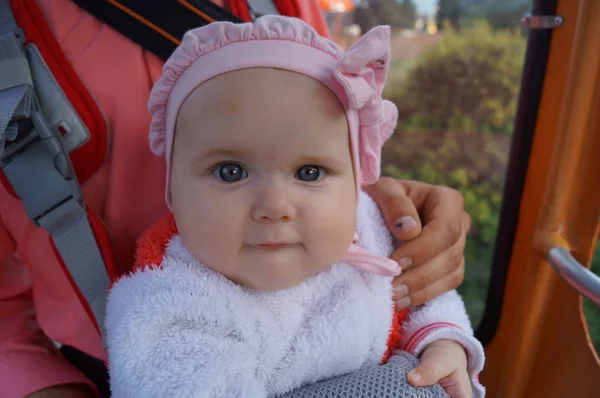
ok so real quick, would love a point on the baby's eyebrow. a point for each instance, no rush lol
(223, 152)
(327, 160)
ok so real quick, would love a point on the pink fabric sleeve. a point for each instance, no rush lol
(444, 317)
(29, 361)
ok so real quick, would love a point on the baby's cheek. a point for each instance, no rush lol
(334, 230)
(205, 236)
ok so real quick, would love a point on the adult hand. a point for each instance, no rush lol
(432, 223)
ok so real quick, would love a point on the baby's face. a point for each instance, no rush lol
(262, 183)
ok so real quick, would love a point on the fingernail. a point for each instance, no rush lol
(403, 303)
(415, 377)
(401, 291)
(405, 262)
(405, 224)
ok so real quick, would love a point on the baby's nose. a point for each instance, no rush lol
(274, 205)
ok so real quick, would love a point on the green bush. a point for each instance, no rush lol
(501, 14)
(472, 163)
(396, 13)
(469, 80)
(457, 103)
(591, 310)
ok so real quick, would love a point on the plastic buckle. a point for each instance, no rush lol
(23, 139)
(40, 171)
(15, 82)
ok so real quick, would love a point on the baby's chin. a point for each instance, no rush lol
(274, 283)
(273, 279)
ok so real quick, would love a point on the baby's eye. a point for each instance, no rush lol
(230, 172)
(310, 173)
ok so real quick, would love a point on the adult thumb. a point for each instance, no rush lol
(398, 209)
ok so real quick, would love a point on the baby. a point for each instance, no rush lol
(272, 270)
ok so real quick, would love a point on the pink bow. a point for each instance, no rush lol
(362, 71)
(368, 262)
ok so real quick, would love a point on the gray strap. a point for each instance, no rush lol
(7, 19)
(16, 85)
(73, 237)
(263, 7)
(58, 110)
(9, 101)
(37, 165)
(24, 76)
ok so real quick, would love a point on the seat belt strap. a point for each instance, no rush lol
(16, 84)
(157, 26)
(35, 162)
(249, 10)
(258, 8)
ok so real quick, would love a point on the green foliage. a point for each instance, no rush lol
(470, 80)
(591, 310)
(504, 14)
(457, 103)
(407, 14)
(472, 163)
(449, 12)
(401, 14)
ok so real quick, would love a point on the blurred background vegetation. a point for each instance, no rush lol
(455, 77)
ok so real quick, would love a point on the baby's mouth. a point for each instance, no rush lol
(272, 245)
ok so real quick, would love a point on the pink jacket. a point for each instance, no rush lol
(37, 303)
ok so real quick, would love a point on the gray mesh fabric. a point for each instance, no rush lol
(385, 381)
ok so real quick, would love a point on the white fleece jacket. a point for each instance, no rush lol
(183, 330)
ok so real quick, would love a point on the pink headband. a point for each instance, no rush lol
(356, 76)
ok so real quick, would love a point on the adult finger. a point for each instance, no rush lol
(421, 284)
(397, 208)
(443, 285)
(438, 202)
(437, 237)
